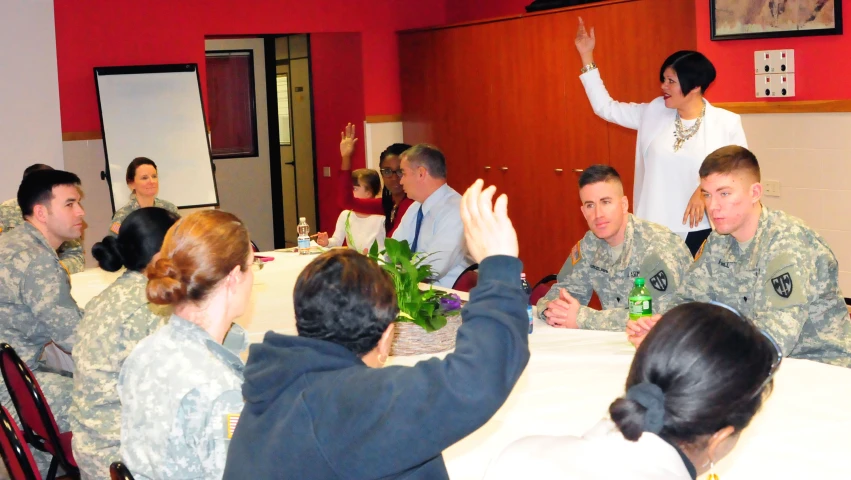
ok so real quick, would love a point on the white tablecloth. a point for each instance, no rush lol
(804, 430)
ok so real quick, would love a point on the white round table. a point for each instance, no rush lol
(803, 431)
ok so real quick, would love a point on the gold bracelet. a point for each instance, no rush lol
(589, 67)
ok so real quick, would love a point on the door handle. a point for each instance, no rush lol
(290, 163)
(578, 170)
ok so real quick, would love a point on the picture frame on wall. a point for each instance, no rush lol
(751, 19)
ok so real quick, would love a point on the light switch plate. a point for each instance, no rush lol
(771, 188)
(326, 171)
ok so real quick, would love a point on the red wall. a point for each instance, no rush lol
(355, 74)
(103, 33)
(467, 10)
(334, 56)
(821, 66)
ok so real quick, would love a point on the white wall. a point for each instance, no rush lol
(810, 155)
(30, 128)
(378, 137)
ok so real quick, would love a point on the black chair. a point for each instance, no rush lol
(15, 451)
(119, 471)
(37, 422)
(541, 288)
(468, 279)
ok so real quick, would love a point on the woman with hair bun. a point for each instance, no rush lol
(692, 388)
(180, 389)
(115, 321)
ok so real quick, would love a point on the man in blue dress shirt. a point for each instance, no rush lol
(432, 225)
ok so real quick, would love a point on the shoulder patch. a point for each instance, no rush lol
(575, 254)
(659, 281)
(783, 285)
(231, 419)
(700, 252)
(115, 227)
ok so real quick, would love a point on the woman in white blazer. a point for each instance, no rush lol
(676, 131)
(691, 390)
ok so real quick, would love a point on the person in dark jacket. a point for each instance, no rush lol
(314, 409)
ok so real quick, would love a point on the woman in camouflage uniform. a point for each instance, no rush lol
(115, 321)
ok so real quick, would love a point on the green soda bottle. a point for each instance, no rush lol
(640, 302)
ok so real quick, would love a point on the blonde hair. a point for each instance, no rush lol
(197, 253)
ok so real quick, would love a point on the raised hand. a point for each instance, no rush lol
(487, 228)
(347, 142)
(585, 43)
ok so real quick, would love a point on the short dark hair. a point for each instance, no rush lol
(345, 298)
(693, 70)
(36, 167)
(136, 163)
(710, 364)
(140, 238)
(729, 159)
(429, 157)
(37, 188)
(369, 177)
(393, 150)
(599, 173)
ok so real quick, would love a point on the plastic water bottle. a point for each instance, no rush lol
(303, 236)
(640, 302)
(528, 290)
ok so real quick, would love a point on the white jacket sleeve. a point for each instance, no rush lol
(624, 114)
(339, 231)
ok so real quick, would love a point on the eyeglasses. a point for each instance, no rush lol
(257, 265)
(778, 351)
(387, 172)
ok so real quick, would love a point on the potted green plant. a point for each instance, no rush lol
(428, 318)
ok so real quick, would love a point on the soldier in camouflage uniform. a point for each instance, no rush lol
(143, 180)
(618, 248)
(181, 388)
(70, 253)
(131, 207)
(115, 321)
(36, 306)
(768, 265)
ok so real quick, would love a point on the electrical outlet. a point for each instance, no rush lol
(775, 85)
(782, 61)
(762, 62)
(763, 86)
(774, 61)
(784, 84)
(771, 188)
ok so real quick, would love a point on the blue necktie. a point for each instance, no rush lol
(417, 231)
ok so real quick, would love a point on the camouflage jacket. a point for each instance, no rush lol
(786, 281)
(36, 306)
(131, 206)
(70, 253)
(115, 321)
(650, 250)
(179, 390)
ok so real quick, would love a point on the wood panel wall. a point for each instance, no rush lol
(503, 100)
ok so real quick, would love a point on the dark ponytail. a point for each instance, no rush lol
(139, 239)
(700, 369)
(107, 254)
